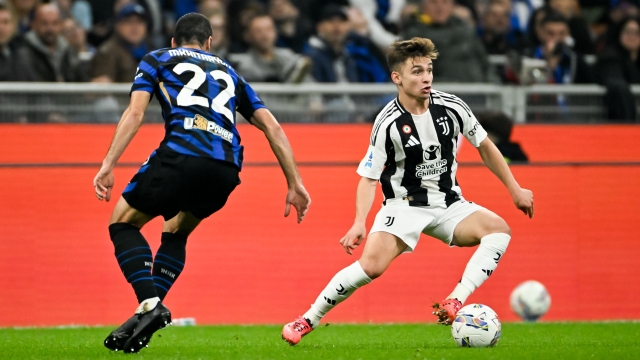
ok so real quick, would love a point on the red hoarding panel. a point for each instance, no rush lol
(249, 264)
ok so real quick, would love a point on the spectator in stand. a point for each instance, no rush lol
(522, 11)
(620, 10)
(24, 10)
(49, 56)
(12, 62)
(293, 29)
(564, 66)
(183, 7)
(578, 27)
(499, 127)
(312, 9)
(77, 39)
(118, 58)
(264, 62)
(496, 32)
(535, 30)
(618, 67)
(338, 56)
(219, 41)
(462, 57)
(238, 14)
(383, 19)
(78, 10)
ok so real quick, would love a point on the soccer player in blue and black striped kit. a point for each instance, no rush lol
(190, 175)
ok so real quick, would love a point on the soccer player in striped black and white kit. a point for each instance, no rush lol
(412, 153)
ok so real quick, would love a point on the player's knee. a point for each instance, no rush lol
(373, 269)
(496, 224)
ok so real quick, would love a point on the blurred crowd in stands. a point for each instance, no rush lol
(293, 41)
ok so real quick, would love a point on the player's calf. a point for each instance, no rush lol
(481, 265)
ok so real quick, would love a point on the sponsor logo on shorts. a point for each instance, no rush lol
(200, 123)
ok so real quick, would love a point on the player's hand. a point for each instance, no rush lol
(103, 183)
(354, 237)
(299, 198)
(523, 199)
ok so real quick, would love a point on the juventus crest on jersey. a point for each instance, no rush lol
(414, 156)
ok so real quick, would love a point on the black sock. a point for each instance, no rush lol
(169, 262)
(135, 258)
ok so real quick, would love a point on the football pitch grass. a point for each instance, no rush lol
(613, 340)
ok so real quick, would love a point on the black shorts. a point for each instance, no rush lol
(170, 182)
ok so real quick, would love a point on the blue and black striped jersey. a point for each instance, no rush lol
(199, 94)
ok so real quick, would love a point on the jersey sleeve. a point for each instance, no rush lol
(248, 99)
(146, 74)
(373, 162)
(470, 127)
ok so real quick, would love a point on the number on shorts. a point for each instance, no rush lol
(186, 97)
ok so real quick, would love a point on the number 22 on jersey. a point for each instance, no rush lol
(186, 97)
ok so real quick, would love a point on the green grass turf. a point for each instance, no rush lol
(519, 341)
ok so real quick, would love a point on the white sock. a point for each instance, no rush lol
(481, 265)
(147, 305)
(343, 284)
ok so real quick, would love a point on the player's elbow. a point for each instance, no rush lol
(272, 129)
(135, 115)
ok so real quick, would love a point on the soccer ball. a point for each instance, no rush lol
(530, 300)
(476, 325)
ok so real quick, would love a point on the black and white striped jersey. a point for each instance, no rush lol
(414, 156)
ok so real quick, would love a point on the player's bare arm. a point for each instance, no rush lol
(491, 156)
(296, 195)
(125, 131)
(365, 194)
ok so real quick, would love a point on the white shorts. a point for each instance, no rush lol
(407, 222)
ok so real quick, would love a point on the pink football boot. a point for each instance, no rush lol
(446, 311)
(294, 331)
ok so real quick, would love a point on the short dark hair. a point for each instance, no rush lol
(497, 123)
(554, 17)
(402, 50)
(192, 28)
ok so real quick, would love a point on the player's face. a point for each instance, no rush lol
(415, 77)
